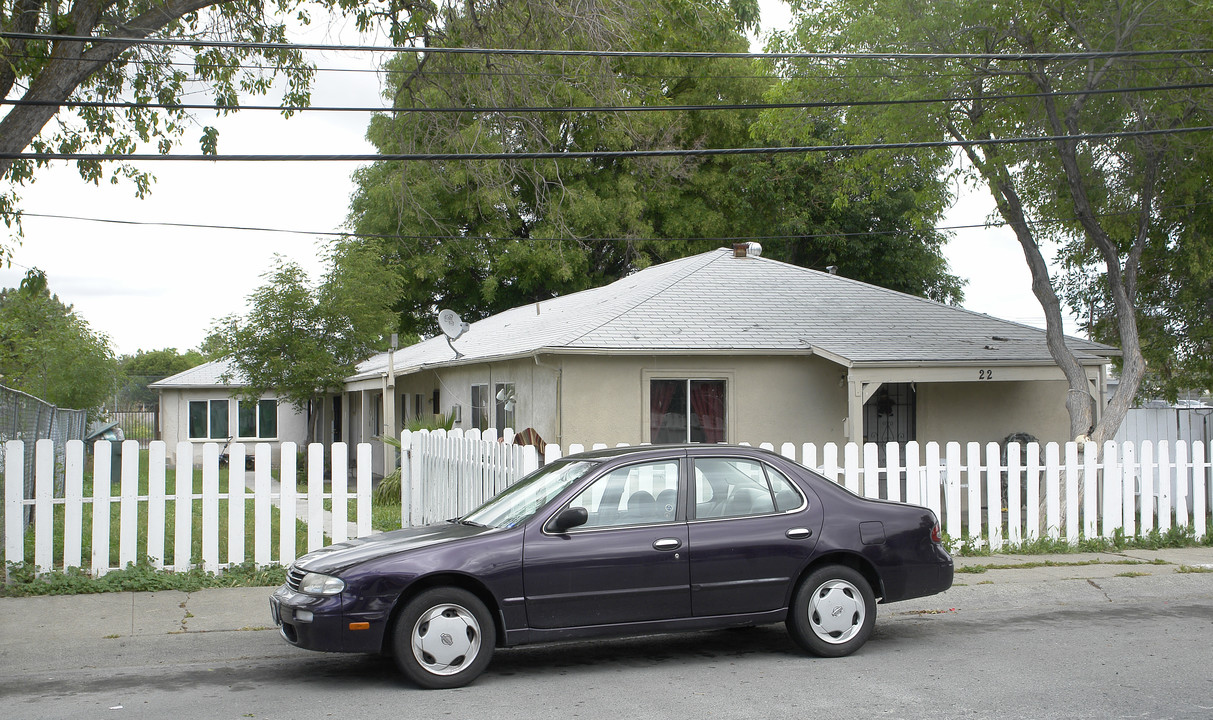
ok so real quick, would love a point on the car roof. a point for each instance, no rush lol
(682, 449)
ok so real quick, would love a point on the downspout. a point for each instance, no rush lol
(559, 397)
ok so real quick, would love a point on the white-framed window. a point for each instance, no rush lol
(506, 401)
(480, 407)
(257, 419)
(683, 410)
(208, 420)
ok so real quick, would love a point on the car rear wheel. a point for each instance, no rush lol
(444, 638)
(832, 612)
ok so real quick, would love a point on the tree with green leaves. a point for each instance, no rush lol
(300, 339)
(1113, 186)
(483, 236)
(146, 367)
(81, 51)
(49, 351)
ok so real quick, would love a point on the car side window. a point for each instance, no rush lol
(643, 494)
(731, 487)
(786, 496)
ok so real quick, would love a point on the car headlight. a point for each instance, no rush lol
(318, 584)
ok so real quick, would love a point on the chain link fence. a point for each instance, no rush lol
(26, 418)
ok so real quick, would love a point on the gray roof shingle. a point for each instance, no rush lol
(205, 375)
(715, 301)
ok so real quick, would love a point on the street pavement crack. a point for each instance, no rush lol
(186, 617)
(1097, 587)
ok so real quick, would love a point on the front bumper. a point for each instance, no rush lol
(322, 623)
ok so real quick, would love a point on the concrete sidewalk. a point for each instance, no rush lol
(30, 626)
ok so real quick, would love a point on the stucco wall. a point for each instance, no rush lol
(174, 422)
(769, 398)
(988, 412)
(590, 399)
(534, 388)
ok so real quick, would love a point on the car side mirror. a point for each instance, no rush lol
(569, 518)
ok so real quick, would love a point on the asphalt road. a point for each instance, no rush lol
(1106, 646)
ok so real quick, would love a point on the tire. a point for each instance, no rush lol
(444, 638)
(833, 611)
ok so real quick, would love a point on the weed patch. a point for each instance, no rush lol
(978, 569)
(24, 581)
(1174, 537)
(1194, 569)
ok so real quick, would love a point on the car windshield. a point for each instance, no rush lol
(523, 499)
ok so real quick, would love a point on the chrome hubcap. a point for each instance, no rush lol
(836, 611)
(446, 638)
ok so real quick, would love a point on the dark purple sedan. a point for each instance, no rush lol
(625, 541)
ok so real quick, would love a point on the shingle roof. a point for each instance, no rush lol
(715, 301)
(202, 376)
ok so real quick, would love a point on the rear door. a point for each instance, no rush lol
(751, 533)
(628, 563)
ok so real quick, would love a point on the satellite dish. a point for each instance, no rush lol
(452, 327)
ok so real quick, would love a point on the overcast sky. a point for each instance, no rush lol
(149, 286)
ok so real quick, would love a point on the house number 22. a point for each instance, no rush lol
(985, 374)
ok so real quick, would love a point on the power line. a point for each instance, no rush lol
(598, 108)
(170, 42)
(595, 154)
(504, 73)
(396, 236)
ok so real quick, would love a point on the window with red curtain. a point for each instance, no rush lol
(707, 411)
(686, 411)
(667, 411)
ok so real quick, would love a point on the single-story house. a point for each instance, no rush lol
(199, 407)
(728, 346)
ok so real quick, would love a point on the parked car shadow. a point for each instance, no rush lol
(686, 649)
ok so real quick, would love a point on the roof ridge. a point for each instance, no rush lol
(929, 301)
(707, 258)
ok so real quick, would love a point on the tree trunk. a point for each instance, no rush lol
(1121, 280)
(1079, 401)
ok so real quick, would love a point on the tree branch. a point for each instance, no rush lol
(71, 64)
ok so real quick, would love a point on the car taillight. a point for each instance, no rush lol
(936, 534)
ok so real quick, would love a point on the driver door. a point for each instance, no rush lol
(628, 563)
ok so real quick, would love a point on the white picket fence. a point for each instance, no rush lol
(1052, 491)
(1064, 492)
(446, 474)
(146, 510)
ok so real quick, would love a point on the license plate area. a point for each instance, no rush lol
(276, 611)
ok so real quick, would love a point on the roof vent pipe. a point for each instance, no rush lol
(747, 249)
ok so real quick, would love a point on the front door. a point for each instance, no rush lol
(628, 563)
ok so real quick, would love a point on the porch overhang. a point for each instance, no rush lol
(864, 379)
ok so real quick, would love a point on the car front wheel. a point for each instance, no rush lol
(444, 638)
(832, 612)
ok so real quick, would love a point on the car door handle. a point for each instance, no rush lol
(667, 544)
(799, 533)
